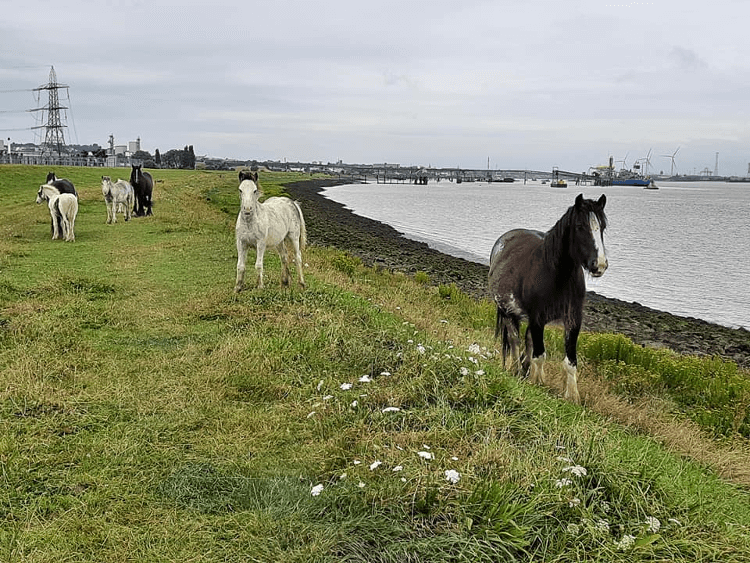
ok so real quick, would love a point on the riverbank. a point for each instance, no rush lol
(329, 223)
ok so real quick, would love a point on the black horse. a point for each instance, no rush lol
(143, 186)
(63, 185)
(540, 276)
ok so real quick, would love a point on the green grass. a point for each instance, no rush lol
(147, 413)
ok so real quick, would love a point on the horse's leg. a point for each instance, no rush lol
(55, 225)
(284, 255)
(570, 363)
(535, 352)
(241, 257)
(260, 250)
(512, 342)
(71, 228)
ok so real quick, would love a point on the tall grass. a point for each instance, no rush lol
(150, 414)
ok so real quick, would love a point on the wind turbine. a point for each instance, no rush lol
(623, 160)
(647, 160)
(671, 156)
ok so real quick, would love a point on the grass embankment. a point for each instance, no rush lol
(149, 414)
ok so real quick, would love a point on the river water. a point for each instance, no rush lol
(684, 248)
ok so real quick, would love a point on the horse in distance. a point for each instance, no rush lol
(540, 276)
(63, 185)
(117, 195)
(274, 222)
(143, 187)
(63, 209)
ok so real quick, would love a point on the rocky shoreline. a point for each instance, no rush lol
(329, 223)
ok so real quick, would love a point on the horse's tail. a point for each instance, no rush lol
(302, 228)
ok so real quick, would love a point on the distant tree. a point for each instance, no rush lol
(141, 155)
(157, 157)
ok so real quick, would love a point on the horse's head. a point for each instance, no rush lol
(247, 175)
(135, 174)
(249, 194)
(51, 177)
(588, 223)
(40, 195)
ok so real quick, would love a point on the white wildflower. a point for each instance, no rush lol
(464, 372)
(572, 529)
(425, 455)
(576, 470)
(560, 483)
(385, 373)
(375, 464)
(602, 526)
(625, 543)
(574, 502)
(398, 468)
(473, 360)
(420, 349)
(410, 341)
(357, 462)
(474, 349)
(605, 506)
(365, 379)
(342, 476)
(328, 397)
(354, 404)
(653, 524)
(320, 384)
(479, 372)
(403, 479)
(452, 475)
(454, 458)
(391, 409)
(316, 490)
(426, 447)
(361, 485)
(346, 386)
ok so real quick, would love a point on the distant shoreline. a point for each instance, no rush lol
(329, 223)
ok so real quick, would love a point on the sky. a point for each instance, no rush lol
(516, 84)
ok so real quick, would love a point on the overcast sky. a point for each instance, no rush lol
(524, 83)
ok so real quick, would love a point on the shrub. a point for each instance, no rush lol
(421, 277)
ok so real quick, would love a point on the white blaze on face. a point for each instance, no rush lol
(601, 253)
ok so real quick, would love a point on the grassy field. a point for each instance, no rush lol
(147, 413)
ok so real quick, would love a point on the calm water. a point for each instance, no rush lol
(684, 248)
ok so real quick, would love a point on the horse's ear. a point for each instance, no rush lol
(254, 176)
(602, 201)
(241, 175)
(579, 201)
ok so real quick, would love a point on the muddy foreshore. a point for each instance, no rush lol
(330, 224)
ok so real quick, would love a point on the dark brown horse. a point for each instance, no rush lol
(63, 185)
(143, 187)
(540, 276)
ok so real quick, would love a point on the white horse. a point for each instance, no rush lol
(63, 208)
(117, 196)
(273, 222)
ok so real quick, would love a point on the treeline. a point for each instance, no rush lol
(175, 158)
